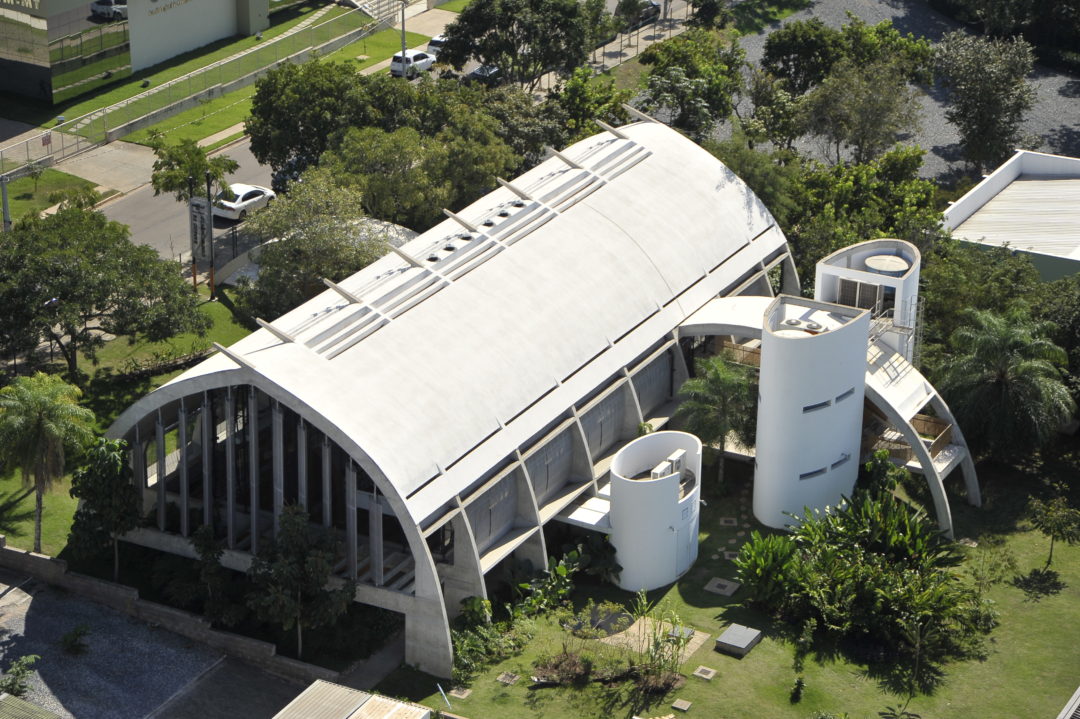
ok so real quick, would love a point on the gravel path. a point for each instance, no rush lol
(128, 669)
(1053, 120)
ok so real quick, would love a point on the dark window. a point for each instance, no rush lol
(816, 407)
(845, 395)
(815, 473)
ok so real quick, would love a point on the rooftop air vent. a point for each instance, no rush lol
(433, 258)
(813, 326)
(519, 203)
(792, 322)
(466, 236)
(449, 247)
(504, 213)
(489, 222)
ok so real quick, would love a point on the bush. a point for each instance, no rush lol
(14, 680)
(72, 642)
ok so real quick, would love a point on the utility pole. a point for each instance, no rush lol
(210, 231)
(194, 260)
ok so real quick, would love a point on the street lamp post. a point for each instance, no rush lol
(194, 259)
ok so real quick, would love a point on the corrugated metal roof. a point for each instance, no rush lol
(1032, 213)
(379, 707)
(15, 708)
(324, 700)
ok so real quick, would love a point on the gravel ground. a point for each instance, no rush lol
(129, 668)
(1052, 121)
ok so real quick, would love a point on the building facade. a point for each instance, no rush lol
(54, 50)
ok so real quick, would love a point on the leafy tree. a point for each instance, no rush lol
(776, 115)
(74, 276)
(1002, 18)
(1004, 385)
(292, 577)
(776, 177)
(722, 399)
(1057, 520)
(802, 53)
(109, 504)
(586, 98)
(989, 93)
(600, 25)
(710, 13)
(397, 174)
(39, 420)
(319, 230)
(35, 170)
(299, 111)
(523, 38)
(526, 126)
(712, 67)
(864, 108)
(182, 167)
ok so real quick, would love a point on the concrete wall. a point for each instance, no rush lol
(162, 29)
(126, 599)
(653, 530)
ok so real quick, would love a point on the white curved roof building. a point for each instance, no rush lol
(440, 406)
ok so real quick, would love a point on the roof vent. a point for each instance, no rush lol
(433, 258)
(449, 247)
(792, 322)
(465, 236)
(519, 203)
(813, 326)
(489, 222)
(504, 213)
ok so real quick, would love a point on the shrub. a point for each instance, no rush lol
(14, 680)
(73, 642)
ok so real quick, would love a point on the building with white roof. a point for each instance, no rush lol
(439, 407)
(1030, 204)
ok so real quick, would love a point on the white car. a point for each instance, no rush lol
(240, 199)
(416, 62)
(435, 45)
(109, 9)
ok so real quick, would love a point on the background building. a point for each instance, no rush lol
(53, 50)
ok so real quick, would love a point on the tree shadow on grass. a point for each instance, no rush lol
(13, 517)
(753, 16)
(1039, 583)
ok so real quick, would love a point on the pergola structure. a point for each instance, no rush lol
(440, 406)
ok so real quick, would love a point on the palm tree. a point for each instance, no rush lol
(39, 419)
(722, 399)
(1004, 383)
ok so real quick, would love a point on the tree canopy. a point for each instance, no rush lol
(318, 230)
(109, 504)
(523, 38)
(181, 168)
(73, 276)
(989, 93)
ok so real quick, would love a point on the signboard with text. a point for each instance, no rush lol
(202, 228)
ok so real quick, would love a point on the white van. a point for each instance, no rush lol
(109, 9)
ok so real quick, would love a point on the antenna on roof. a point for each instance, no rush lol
(520, 193)
(280, 334)
(460, 220)
(612, 130)
(342, 291)
(237, 358)
(563, 157)
(638, 114)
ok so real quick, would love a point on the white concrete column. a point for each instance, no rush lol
(208, 439)
(301, 463)
(375, 537)
(138, 467)
(230, 468)
(350, 519)
(182, 440)
(279, 462)
(327, 499)
(253, 465)
(159, 442)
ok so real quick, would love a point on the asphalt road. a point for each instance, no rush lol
(162, 222)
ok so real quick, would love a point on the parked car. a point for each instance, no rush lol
(416, 62)
(109, 9)
(649, 13)
(238, 200)
(435, 45)
(488, 75)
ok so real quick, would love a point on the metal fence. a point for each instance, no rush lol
(231, 73)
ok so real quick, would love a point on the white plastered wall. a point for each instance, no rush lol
(162, 29)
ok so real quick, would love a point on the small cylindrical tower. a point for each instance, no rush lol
(810, 407)
(655, 497)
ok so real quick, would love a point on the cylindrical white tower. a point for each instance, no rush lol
(813, 368)
(655, 493)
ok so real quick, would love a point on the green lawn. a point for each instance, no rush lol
(454, 5)
(1029, 669)
(377, 47)
(17, 108)
(17, 514)
(23, 198)
(208, 118)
